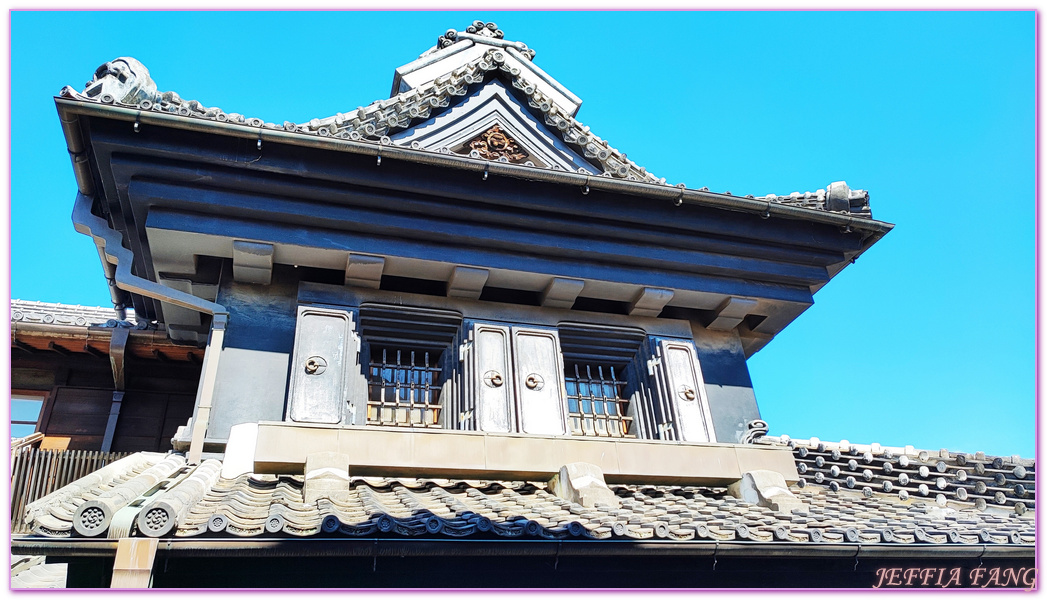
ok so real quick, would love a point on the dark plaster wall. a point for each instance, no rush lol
(732, 401)
(253, 369)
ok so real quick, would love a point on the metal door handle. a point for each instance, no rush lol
(315, 365)
(534, 381)
(493, 378)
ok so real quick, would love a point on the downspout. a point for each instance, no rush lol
(117, 350)
(74, 142)
(110, 244)
(115, 294)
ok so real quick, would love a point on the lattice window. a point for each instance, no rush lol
(596, 401)
(404, 387)
(406, 366)
(600, 373)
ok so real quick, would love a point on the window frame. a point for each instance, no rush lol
(45, 406)
(458, 410)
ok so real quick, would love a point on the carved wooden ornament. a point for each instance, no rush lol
(494, 144)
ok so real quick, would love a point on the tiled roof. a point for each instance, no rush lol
(975, 480)
(375, 122)
(53, 514)
(29, 311)
(267, 505)
(30, 572)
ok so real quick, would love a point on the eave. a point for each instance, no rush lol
(144, 344)
(368, 547)
(69, 110)
(758, 275)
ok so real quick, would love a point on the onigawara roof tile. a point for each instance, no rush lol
(126, 82)
(199, 502)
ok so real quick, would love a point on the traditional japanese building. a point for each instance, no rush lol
(455, 338)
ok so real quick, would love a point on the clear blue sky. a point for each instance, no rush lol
(927, 340)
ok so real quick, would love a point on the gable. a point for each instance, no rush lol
(491, 123)
(463, 48)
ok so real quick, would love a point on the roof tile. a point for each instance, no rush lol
(129, 80)
(253, 505)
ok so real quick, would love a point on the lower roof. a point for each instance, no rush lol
(236, 511)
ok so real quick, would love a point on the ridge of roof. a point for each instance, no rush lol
(126, 82)
(400, 112)
(477, 31)
(454, 48)
(878, 449)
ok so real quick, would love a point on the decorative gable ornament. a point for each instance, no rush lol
(493, 144)
(455, 129)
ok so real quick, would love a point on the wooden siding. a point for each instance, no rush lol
(36, 473)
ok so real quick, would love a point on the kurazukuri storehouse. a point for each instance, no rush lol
(455, 338)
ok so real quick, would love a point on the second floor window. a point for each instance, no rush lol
(597, 376)
(596, 401)
(396, 366)
(405, 352)
(403, 387)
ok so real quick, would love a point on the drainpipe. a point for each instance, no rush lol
(74, 142)
(205, 391)
(118, 296)
(110, 244)
(117, 350)
(133, 566)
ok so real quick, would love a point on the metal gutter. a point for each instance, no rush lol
(677, 195)
(71, 547)
(319, 547)
(109, 241)
(77, 338)
(91, 333)
(74, 142)
(77, 333)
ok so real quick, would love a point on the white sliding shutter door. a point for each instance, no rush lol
(491, 371)
(539, 381)
(683, 389)
(326, 347)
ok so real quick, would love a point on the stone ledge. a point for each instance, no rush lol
(282, 448)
